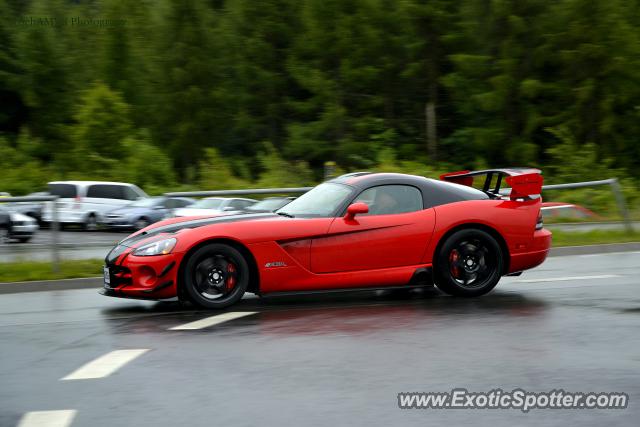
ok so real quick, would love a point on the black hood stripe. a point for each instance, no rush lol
(202, 222)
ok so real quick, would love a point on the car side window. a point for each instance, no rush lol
(181, 203)
(175, 203)
(391, 199)
(130, 193)
(105, 191)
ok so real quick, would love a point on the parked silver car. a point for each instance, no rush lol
(214, 206)
(86, 202)
(143, 212)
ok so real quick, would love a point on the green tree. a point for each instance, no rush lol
(44, 83)
(277, 172)
(185, 108)
(216, 172)
(147, 165)
(21, 172)
(98, 135)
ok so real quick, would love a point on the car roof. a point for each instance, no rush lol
(226, 198)
(90, 183)
(434, 192)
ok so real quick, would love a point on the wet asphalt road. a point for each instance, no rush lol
(334, 360)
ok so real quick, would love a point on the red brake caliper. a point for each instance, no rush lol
(453, 258)
(231, 277)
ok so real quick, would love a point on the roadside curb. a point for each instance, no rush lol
(51, 285)
(595, 249)
(96, 282)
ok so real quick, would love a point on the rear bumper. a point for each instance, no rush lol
(537, 253)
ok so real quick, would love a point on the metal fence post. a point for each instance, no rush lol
(55, 227)
(622, 206)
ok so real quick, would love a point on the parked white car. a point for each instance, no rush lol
(214, 206)
(85, 202)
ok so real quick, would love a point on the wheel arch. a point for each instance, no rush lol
(254, 277)
(506, 257)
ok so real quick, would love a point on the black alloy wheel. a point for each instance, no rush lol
(216, 276)
(469, 263)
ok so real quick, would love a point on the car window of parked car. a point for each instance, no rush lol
(64, 191)
(213, 203)
(146, 203)
(391, 199)
(107, 191)
(175, 203)
(130, 193)
(269, 204)
(240, 204)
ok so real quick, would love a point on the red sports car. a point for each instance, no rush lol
(361, 230)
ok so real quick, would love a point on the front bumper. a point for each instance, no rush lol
(24, 230)
(149, 277)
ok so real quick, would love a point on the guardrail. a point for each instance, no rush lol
(289, 190)
(55, 224)
(613, 182)
(615, 189)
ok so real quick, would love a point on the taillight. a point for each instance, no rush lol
(539, 223)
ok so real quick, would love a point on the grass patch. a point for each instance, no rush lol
(23, 271)
(594, 237)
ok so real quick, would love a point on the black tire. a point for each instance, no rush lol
(4, 235)
(216, 276)
(469, 263)
(141, 223)
(91, 223)
(24, 239)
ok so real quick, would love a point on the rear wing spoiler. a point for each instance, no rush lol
(524, 182)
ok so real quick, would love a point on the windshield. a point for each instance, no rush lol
(207, 204)
(268, 205)
(147, 203)
(322, 200)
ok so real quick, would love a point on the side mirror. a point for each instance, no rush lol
(355, 209)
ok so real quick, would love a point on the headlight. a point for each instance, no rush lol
(161, 247)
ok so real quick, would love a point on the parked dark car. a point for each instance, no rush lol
(144, 212)
(5, 225)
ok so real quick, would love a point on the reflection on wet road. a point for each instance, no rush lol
(331, 359)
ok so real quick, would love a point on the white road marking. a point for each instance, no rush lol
(105, 365)
(213, 320)
(61, 418)
(564, 279)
